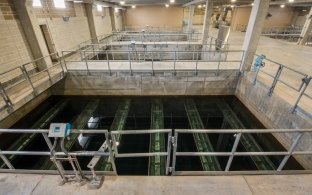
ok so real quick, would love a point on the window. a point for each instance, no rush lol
(99, 8)
(59, 3)
(36, 3)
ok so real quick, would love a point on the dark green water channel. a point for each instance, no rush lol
(143, 113)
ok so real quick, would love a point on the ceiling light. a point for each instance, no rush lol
(204, 5)
(233, 0)
(122, 2)
(133, 6)
(78, 1)
(116, 10)
(59, 3)
(304, 10)
(172, 1)
(290, 1)
(282, 6)
(167, 5)
(99, 8)
(252, 4)
(36, 3)
(199, 6)
(232, 6)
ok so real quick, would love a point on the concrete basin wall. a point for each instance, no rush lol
(274, 113)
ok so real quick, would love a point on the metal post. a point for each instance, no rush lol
(174, 63)
(6, 161)
(87, 64)
(196, 73)
(290, 151)
(49, 76)
(241, 61)
(236, 142)
(174, 143)
(64, 61)
(256, 76)
(305, 82)
(5, 96)
(219, 62)
(153, 63)
(278, 74)
(28, 78)
(129, 58)
(107, 58)
(168, 153)
(108, 141)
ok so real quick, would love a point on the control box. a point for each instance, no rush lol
(59, 130)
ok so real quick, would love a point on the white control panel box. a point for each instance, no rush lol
(58, 130)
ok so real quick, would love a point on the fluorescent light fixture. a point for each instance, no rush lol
(233, 0)
(232, 6)
(204, 5)
(290, 1)
(133, 6)
(78, 1)
(282, 6)
(122, 2)
(172, 1)
(99, 8)
(36, 3)
(252, 4)
(59, 3)
(116, 10)
(304, 10)
(167, 5)
(199, 6)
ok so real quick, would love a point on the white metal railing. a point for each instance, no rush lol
(28, 76)
(294, 80)
(295, 149)
(156, 60)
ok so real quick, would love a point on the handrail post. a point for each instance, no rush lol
(49, 76)
(174, 63)
(87, 64)
(236, 142)
(196, 73)
(305, 82)
(110, 72)
(278, 74)
(64, 61)
(153, 63)
(219, 63)
(5, 97)
(174, 142)
(28, 78)
(6, 161)
(129, 58)
(290, 151)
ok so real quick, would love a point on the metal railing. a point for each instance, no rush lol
(28, 77)
(156, 29)
(295, 148)
(294, 80)
(156, 60)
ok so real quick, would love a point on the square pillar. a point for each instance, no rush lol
(190, 18)
(256, 21)
(90, 16)
(207, 19)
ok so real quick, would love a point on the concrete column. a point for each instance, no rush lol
(90, 17)
(190, 18)
(112, 16)
(207, 19)
(306, 31)
(234, 19)
(32, 33)
(257, 18)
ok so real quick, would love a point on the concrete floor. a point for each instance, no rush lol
(266, 184)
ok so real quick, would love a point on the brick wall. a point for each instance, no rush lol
(14, 50)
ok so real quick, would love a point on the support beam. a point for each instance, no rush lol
(234, 19)
(256, 21)
(202, 141)
(190, 18)
(247, 140)
(90, 16)
(112, 17)
(306, 31)
(207, 19)
(157, 164)
(32, 32)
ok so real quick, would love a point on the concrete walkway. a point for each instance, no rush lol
(266, 184)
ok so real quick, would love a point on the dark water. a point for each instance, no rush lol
(139, 118)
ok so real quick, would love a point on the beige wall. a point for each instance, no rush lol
(280, 16)
(102, 22)
(14, 50)
(154, 16)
